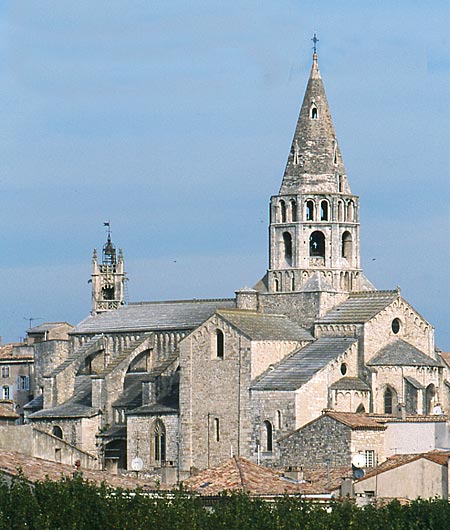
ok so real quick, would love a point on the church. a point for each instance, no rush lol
(181, 385)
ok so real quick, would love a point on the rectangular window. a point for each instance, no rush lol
(5, 371)
(24, 382)
(370, 457)
(5, 392)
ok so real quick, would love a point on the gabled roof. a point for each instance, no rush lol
(438, 457)
(153, 316)
(259, 326)
(297, 369)
(400, 353)
(239, 474)
(355, 420)
(359, 307)
(47, 326)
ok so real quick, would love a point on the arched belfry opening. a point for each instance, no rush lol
(287, 245)
(317, 244)
(347, 246)
(309, 210)
(314, 113)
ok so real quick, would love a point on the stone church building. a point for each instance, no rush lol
(182, 385)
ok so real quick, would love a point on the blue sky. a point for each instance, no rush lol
(173, 119)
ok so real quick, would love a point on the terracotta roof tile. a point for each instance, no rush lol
(37, 469)
(356, 420)
(439, 457)
(7, 412)
(239, 474)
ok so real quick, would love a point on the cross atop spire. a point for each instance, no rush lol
(315, 41)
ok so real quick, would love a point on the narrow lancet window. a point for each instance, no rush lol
(324, 211)
(283, 211)
(347, 246)
(314, 112)
(293, 211)
(287, 241)
(219, 343)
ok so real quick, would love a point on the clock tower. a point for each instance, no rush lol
(108, 278)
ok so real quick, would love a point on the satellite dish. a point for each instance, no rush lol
(359, 460)
(137, 464)
(358, 473)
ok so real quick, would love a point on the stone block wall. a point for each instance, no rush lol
(315, 443)
(413, 329)
(140, 439)
(214, 397)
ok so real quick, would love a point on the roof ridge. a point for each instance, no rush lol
(191, 300)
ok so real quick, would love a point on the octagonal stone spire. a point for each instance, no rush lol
(315, 163)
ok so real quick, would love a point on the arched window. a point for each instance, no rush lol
(293, 211)
(314, 112)
(279, 420)
(159, 442)
(57, 431)
(347, 246)
(283, 211)
(390, 400)
(317, 244)
(350, 211)
(219, 343)
(216, 430)
(293, 283)
(267, 436)
(310, 210)
(324, 211)
(287, 241)
(429, 395)
(340, 211)
(340, 183)
(276, 284)
(361, 409)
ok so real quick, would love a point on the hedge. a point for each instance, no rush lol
(74, 503)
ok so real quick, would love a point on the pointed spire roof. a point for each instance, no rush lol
(315, 162)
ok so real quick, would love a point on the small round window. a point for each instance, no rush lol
(343, 368)
(395, 325)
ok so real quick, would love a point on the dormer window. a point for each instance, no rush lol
(314, 112)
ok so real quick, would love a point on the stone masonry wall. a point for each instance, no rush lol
(214, 398)
(314, 444)
(140, 439)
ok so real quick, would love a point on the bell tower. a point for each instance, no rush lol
(314, 219)
(108, 278)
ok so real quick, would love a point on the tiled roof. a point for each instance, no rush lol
(14, 352)
(47, 326)
(438, 457)
(359, 307)
(239, 474)
(37, 469)
(297, 369)
(446, 357)
(259, 326)
(414, 382)
(355, 421)
(413, 418)
(153, 316)
(350, 383)
(400, 353)
(78, 406)
(7, 412)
